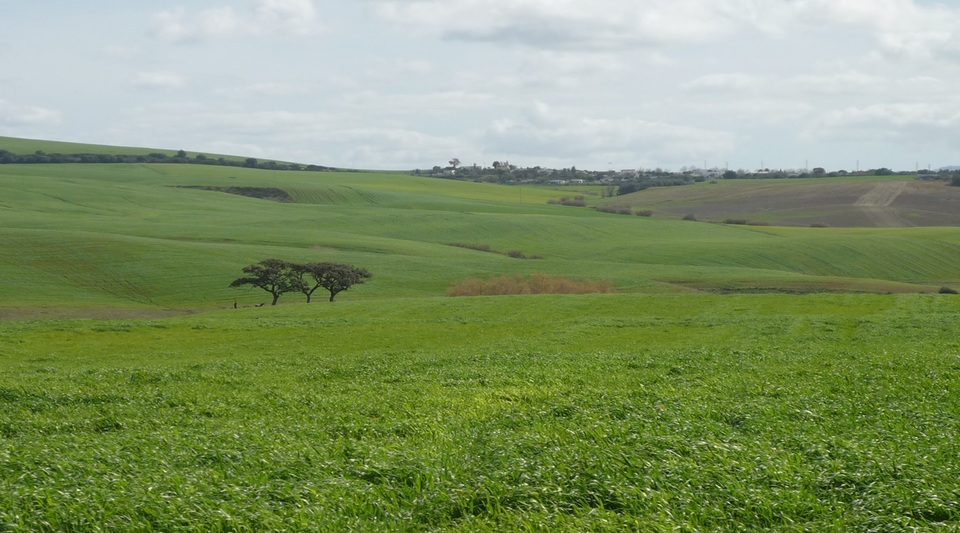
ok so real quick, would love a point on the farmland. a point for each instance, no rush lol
(741, 377)
(898, 201)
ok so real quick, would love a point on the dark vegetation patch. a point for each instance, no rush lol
(534, 284)
(947, 290)
(263, 193)
(181, 158)
(744, 222)
(617, 210)
(479, 247)
(576, 201)
(769, 290)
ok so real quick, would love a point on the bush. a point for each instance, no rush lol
(947, 290)
(644, 213)
(690, 217)
(534, 284)
(576, 201)
(516, 254)
(615, 209)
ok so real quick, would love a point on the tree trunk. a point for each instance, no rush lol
(275, 298)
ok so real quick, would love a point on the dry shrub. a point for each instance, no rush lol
(576, 201)
(615, 209)
(534, 284)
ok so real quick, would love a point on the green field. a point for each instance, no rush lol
(742, 378)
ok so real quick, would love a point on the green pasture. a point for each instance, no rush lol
(638, 412)
(743, 377)
(132, 235)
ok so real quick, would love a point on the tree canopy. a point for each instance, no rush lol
(334, 277)
(271, 275)
(278, 276)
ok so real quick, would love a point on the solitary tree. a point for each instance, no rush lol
(272, 275)
(455, 162)
(334, 277)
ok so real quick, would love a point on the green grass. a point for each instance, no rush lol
(604, 412)
(684, 402)
(127, 235)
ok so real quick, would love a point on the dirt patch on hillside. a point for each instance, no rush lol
(264, 193)
(882, 195)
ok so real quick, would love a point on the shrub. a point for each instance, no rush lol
(516, 254)
(644, 213)
(615, 209)
(947, 290)
(534, 284)
(690, 217)
(576, 201)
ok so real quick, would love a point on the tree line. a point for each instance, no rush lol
(278, 276)
(181, 157)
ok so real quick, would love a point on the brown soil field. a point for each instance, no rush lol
(877, 202)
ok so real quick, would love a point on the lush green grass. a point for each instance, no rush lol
(663, 407)
(127, 235)
(604, 412)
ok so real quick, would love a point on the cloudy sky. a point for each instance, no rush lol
(402, 84)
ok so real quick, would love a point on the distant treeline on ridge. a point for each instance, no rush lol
(181, 157)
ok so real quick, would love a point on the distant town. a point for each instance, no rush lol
(631, 179)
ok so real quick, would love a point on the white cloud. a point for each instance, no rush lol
(264, 17)
(886, 120)
(21, 115)
(601, 24)
(592, 139)
(903, 28)
(727, 81)
(159, 80)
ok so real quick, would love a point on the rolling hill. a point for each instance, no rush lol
(75, 238)
(837, 202)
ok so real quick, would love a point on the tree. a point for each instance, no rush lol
(729, 175)
(455, 162)
(334, 277)
(272, 275)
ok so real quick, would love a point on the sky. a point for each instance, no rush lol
(404, 84)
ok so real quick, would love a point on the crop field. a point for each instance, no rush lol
(898, 201)
(605, 412)
(734, 377)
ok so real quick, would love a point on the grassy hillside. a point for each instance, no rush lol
(22, 146)
(685, 402)
(134, 235)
